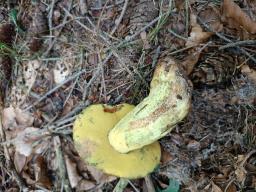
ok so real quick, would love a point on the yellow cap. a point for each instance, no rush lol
(90, 135)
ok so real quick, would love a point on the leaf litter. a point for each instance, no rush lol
(51, 42)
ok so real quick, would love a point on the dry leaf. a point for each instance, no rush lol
(30, 72)
(191, 60)
(40, 172)
(180, 4)
(42, 146)
(17, 96)
(19, 161)
(215, 188)
(99, 176)
(236, 18)
(85, 185)
(231, 188)
(143, 36)
(8, 118)
(24, 140)
(23, 118)
(26, 77)
(69, 105)
(240, 171)
(63, 67)
(249, 72)
(211, 16)
(60, 72)
(165, 157)
(193, 145)
(73, 176)
(197, 35)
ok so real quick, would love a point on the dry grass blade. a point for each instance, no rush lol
(121, 185)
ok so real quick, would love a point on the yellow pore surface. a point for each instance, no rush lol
(90, 135)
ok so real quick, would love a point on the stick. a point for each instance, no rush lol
(118, 21)
(239, 43)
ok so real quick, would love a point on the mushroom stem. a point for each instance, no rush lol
(167, 104)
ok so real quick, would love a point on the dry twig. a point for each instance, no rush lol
(118, 21)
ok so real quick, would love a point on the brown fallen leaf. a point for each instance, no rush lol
(8, 118)
(41, 174)
(249, 72)
(99, 176)
(24, 141)
(19, 161)
(85, 185)
(236, 18)
(211, 16)
(165, 156)
(181, 4)
(197, 35)
(15, 117)
(231, 188)
(73, 176)
(191, 60)
(215, 188)
(23, 118)
(144, 38)
(240, 171)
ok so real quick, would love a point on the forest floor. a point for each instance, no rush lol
(59, 56)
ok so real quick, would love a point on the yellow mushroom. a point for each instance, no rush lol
(167, 104)
(122, 140)
(90, 134)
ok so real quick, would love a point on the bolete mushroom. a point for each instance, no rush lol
(122, 140)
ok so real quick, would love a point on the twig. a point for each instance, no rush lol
(177, 35)
(239, 43)
(129, 38)
(77, 21)
(61, 27)
(61, 164)
(187, 16)
(118, 21)
(95, 75)
(227, 40)
(50, 17)
(135, 189)
(102, 76)
(56, 88)
(107, 7)
(76, 80)
(101, 14)
(181, 50)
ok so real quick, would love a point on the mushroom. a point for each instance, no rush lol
(122, 140)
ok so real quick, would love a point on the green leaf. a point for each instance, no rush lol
(174, 186)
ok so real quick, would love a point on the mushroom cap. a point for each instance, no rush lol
(90, 134)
